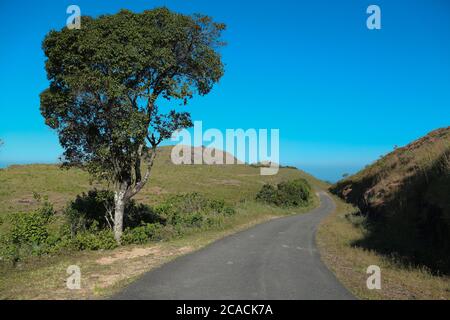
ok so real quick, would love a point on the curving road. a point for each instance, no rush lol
(275, 260)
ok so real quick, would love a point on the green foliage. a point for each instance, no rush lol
(293, 193)
(145, 233)
(106, 77)
(189, 209)
(95, 210)
(32, 228)
(99, 240)
(180, 215)
(28, 233)
(40, 232)
(268, 194)
(83, 226)
(89, 210)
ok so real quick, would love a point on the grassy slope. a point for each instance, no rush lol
(406, 194)
(406, 197)
(425, 160)
(106, 271)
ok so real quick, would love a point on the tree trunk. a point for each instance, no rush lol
(119, 210)
(126, 191)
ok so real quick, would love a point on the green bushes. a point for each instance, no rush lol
(32, 227)
(178, 216)
(292, 193)
(28, 233)
(191, 210)
(98, 240)
(146, 233)
(96, 209)
(85, 224)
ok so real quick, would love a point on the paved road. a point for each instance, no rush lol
(275, 260)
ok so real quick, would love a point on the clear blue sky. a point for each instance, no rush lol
(340, 94)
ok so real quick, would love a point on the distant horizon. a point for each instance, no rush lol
(325, 172)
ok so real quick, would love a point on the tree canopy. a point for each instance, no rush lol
(105, 81)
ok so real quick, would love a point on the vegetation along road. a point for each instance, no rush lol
(274, 260)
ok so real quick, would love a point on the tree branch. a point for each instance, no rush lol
(138, 186)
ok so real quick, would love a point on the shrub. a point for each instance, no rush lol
(36, 233)
(101, 240)
(85, 227)
(31, 228)
(144, 234)
(96, 209)
(268, 194)
(89, 210)
(293, 193)
(28, 233)
(192, 210)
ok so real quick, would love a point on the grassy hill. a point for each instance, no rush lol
(231, 183)
(406, 198)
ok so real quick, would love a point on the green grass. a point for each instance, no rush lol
(232, 183)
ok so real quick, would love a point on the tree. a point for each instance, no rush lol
(105, 81)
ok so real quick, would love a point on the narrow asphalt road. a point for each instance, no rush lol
(275, 260)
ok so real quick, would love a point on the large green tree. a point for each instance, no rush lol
(106, 79)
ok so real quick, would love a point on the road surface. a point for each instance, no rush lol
(275, 260)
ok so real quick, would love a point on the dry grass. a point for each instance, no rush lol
(406, 197)
(335, 237)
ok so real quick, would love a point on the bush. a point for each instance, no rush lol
(192, 210)
(101, 240)
(295, 193)
(84, 225)
(28, 233)
(145, 233)
(38, 232)
(31, 227)
(292, 193)
(90, 209)
(96, 209)
(268, 194)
